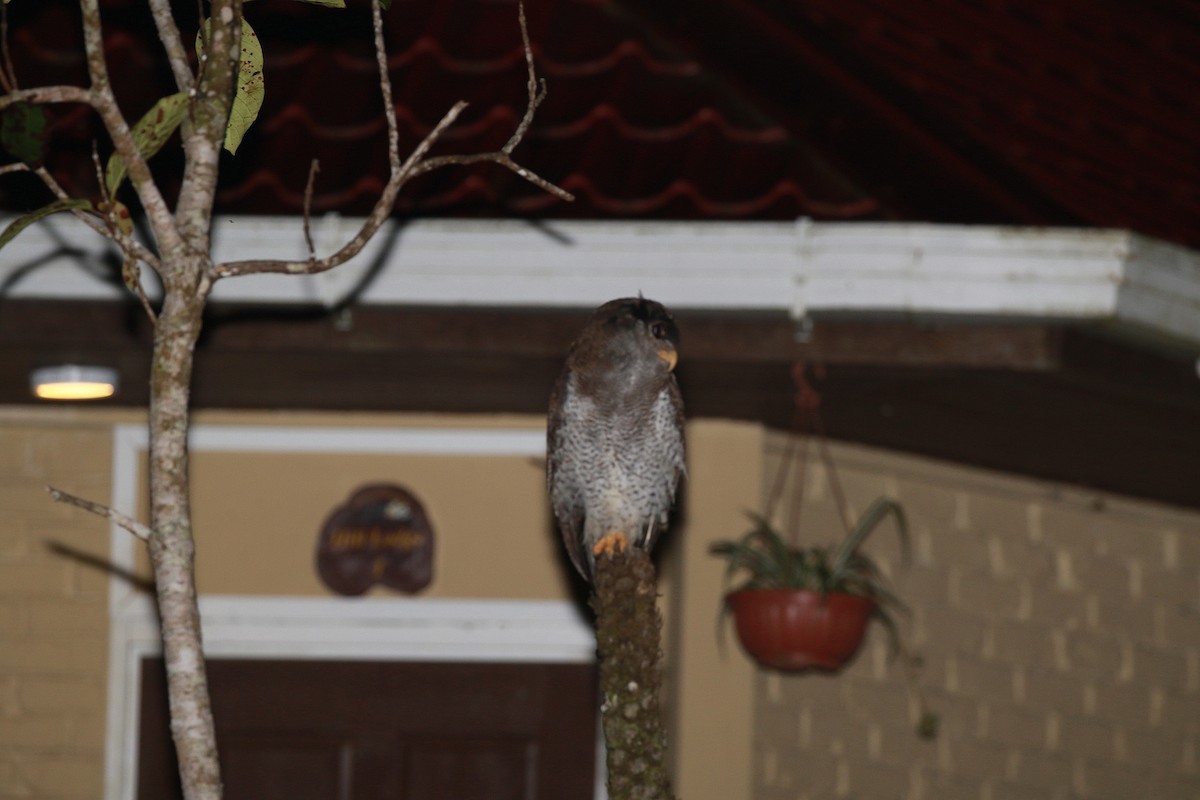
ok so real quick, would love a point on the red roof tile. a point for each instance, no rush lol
(998, 111)
(1095, 103)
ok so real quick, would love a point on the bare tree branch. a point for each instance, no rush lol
(90, 218)
(537, 93)
(501, 158)
(399, 174)
(51, 94)
(105, 104)
(536, 88)
(417, 163)
(121, 233)
(370, 226)
(57, 190)
(111, 514)
(99, 172)
(313, 169)
(101, 99)
(135, 286)
(205, 135)
(8, 75)
(385, 88)
(168, 34)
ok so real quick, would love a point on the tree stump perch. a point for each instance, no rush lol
(628, 638)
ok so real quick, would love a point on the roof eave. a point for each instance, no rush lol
(1111, 277)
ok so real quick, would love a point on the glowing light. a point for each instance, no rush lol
(73, 382)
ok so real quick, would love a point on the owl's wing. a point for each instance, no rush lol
(568, 516)
(571, 528)
(677, 404)
(678, 466)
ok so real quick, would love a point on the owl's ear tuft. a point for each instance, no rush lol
(647, 310)
(657, 319)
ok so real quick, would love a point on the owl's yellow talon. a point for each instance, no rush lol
(611, 544)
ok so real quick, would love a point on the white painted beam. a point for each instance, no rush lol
(867, 269)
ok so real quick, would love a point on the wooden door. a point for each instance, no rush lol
(362, 730)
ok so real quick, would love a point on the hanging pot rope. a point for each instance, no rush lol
(806, 426)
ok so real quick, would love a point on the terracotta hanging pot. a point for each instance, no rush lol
(794, 629)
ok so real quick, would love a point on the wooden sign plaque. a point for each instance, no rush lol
(380, 535)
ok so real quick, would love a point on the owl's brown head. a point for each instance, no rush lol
(632, 339)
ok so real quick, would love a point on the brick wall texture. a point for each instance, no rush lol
(53, 617)
(1060, 638)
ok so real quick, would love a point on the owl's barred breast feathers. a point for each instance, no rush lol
(615, 448)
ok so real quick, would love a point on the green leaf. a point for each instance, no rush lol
(875, 514)
(149, 134)
(21, 223)
(895, 644)
(119, 214)
(21, 129)
(248, 99)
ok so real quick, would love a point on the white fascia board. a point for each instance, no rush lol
(504, 263)
(1160, 289)
(961, 270)
(803, 268)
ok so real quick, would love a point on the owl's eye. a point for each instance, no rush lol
(658, 330)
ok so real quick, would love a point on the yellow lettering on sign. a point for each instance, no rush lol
(376, 538)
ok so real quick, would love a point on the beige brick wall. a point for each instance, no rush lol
(53, 618)
(1060, 632)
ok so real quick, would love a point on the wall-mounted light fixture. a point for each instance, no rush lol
(73, 382)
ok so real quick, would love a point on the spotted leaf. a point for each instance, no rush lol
(248, 99)
(149, 134)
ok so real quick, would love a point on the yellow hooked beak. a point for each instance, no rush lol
(669, 357)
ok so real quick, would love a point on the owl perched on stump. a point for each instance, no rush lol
(615, 448)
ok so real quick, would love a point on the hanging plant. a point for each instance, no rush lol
(808, 607)
(799, 608)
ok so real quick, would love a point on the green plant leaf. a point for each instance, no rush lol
(248, 98)
(772, 541)
(743, 555)
(149, 134)
(21, 223)
(769, 562)
(21, 128)
(862, 577)
(878, 510)
(895, 645)
(251, 87)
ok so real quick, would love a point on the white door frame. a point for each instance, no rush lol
(391, 629)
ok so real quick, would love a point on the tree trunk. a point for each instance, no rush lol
(628, 636)
(172, 548)
(181, 256)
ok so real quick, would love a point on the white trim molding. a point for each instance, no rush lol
(393, 629)
(805, 268)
